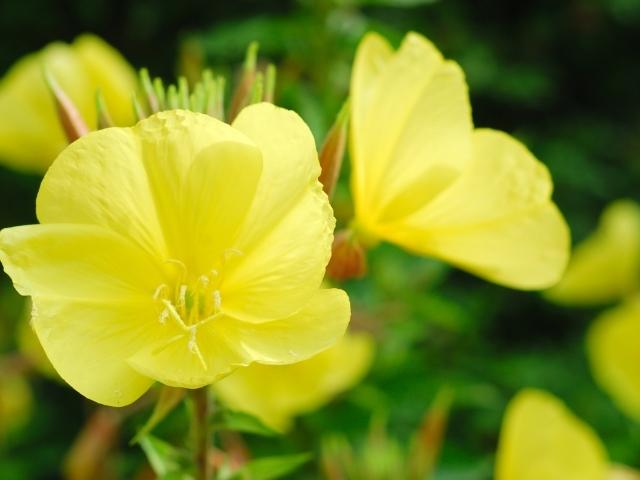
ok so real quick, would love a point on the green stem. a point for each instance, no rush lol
(202, 447)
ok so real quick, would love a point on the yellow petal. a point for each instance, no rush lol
(286, 239)
(220, 189)
(411, 128)
(108, 71)
(217, 348)
(131, 180)
(605, 266)
(612, 345)
(171, 141)
(30, 133)
(66, 261)
(88, 343)
(92, 303)
(275, 394)
(542, 440)
(277, 276)
(290, 164)
(318, 325)
(180, 360)
(497, 220)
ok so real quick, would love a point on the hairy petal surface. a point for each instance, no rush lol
(542, 439)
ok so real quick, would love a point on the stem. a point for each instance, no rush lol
(201, 413)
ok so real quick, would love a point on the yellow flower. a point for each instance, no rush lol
(30, 133)
(542, 440)
(276, 394)
(613, 347)
(178, 250)
(606, 266)
(424, 179)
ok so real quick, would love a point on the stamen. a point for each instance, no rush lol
(174, 314)
(164, 315)
(193, 346)
(158, 291)
(182, 297)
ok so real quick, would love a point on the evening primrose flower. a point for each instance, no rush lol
(542, 440)
(276, 394)
(423, 178)
(605, 266)
(30, 132)
(178, 250)
(612, 346)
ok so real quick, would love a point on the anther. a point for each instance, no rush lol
(182, 296)
(164, 315)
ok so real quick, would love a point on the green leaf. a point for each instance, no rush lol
(165, 460)
(270, 468)
(169, 398)
(242, 422)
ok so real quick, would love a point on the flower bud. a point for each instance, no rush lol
(348, 257)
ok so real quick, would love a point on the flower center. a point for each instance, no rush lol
(191, 303)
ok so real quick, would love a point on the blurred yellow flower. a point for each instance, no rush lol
(30, 132)
(606, 266)
(542, 440)
(178, 250)
(16, 403)
(613, 346)
(276, 394)
(424, 179)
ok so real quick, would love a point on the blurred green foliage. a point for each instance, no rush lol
(562, 76)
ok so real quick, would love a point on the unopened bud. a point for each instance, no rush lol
(332, 151)
(69, 116)
(348, 257)
(244, 90)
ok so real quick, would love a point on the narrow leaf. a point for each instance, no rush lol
(270, 468)
(242, 422)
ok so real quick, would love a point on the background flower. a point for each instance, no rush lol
(30, 133)
(424, 179)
